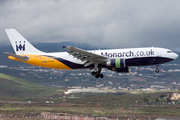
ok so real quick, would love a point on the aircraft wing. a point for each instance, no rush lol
(84, 55)
(17, 56)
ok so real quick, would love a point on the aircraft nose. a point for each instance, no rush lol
(175, 56)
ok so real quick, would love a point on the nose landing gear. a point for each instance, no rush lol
(157, 70)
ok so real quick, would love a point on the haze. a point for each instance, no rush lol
(102, 23)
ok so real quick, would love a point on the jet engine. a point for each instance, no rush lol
(120, 70)
(116, 63)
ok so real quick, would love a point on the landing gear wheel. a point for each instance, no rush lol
(157, 70)
(93, 73)
(97, 75)
(101, 75)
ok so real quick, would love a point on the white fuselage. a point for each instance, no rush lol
(147, 52)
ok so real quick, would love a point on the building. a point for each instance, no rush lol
(175, 96)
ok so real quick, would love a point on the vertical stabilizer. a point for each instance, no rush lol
(20, 44)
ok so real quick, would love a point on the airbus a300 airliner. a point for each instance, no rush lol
(118, 60)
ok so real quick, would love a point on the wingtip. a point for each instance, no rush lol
(64, 47)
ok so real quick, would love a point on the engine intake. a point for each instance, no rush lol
(116, 63)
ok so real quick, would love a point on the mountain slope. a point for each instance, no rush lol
(16, 87)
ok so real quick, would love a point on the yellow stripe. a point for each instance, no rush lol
(43, 61)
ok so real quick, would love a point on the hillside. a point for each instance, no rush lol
(16, 87)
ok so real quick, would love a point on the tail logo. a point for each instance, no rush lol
(20, 47)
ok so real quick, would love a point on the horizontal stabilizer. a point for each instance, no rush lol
(25, 58)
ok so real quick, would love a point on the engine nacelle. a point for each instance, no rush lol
(116, 63)
(120, 70)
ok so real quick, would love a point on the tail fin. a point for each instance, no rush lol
(20, 44)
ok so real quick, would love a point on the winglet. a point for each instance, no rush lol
(64, 47)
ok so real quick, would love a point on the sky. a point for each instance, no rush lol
(100, 23)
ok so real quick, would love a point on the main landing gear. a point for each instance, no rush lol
(97, 73)
(157, 70)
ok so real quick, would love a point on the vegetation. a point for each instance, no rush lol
(15, 87)
(98, 104)
(110, 104)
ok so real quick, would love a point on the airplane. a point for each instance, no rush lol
(119, 60)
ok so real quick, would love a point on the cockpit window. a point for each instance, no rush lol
(169, 51)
